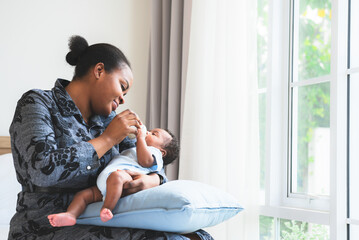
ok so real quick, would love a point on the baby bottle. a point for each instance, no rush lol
(133, 135)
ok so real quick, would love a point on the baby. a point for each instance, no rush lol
(153, 150)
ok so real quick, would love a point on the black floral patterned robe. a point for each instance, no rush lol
(50, 149)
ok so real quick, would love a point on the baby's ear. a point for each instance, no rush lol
(164, 152)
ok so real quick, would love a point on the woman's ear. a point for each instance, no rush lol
(98, 70)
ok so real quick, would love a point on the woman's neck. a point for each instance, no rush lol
(79, 92)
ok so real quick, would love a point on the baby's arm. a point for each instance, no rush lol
(144, 155)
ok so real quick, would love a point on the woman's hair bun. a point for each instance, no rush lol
(78, 46)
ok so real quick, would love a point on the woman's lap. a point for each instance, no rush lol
(98, 232)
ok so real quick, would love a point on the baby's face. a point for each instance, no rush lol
(157, 138)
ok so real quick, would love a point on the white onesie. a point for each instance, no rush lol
(127, 160)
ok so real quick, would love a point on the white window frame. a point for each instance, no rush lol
(338, 173)
(278, 203)
(352, 179)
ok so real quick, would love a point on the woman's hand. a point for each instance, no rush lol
(140, 182)
(116, 131)
(120, 126)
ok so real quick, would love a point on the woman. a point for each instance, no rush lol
(62, 138)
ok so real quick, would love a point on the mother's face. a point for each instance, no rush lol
(110, 89)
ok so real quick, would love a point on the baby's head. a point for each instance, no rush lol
(165, 141)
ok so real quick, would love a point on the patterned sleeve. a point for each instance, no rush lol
(38, 158)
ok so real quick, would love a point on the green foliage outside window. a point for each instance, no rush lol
(314, 61)
(294, 230)
(291, 230)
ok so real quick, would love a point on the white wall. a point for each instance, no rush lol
(34, 38)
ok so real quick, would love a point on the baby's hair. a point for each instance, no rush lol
(172, 149)
(83, 56)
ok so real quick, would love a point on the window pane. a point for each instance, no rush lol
(353, 146)
(295, 230)
(354, 232)
(312, 39)
(267, 228)
(354, 34)
(310, 139)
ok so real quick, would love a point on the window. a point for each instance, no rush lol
(303, 116)
(309, 99)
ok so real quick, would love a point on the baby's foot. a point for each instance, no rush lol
(105, 214)
(62, 219)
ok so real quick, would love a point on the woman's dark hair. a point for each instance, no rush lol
(84, 56)
(172, 149)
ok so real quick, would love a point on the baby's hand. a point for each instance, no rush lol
(141, 132)
(133, 135)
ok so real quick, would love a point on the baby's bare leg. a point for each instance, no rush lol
(76, 208)
(114, 187)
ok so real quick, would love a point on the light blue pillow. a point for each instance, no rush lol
(181, 206)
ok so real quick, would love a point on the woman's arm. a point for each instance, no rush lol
(37, 156)
(140, 182)
(50, 148)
